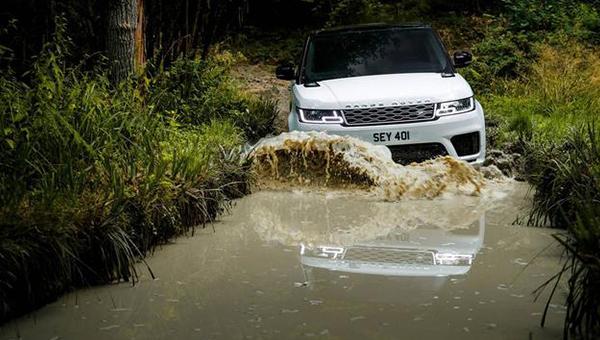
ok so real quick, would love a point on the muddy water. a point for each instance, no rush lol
(329, 265)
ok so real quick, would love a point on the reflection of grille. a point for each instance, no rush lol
(389, 114)
(406, 154)
(389, 255)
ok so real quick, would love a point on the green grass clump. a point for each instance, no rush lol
(566, 177)
(93, 177)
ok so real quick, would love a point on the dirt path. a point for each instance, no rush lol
(260, 79)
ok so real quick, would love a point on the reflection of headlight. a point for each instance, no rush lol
(453, 259)
(321, 251)
(320, 116)
(454, 107)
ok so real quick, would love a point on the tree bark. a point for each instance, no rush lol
(122, 22)
(140, 37)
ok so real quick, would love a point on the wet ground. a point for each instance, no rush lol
(330, 265)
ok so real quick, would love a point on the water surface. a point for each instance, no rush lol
(329, 265)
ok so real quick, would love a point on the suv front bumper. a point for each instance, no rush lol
(439, 131)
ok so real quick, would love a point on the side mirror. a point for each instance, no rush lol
(462, 59)
(286, 72)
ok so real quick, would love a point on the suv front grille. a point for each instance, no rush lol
(406, 154)
(389, 255)
(389, 114)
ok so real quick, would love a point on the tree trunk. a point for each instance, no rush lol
(140, 37)
(122, 21)
(211, 28)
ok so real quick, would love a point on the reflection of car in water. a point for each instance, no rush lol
(414, 246)
(422, 252)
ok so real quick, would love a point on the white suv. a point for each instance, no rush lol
(392, 85)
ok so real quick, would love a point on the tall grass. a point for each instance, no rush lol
(566, 177)
(582, 266)
(568, 195)
(92, 177)
(562, 90)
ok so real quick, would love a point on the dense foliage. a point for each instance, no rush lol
(93, 177)
(197, 91)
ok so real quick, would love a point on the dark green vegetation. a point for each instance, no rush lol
(94, 175)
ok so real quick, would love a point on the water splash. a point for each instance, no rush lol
(320, 160)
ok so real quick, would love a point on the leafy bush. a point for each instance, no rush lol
(587, 24)
(196, 92)
(510, 39)
(534, 16)
(542, 19)
(497, 56)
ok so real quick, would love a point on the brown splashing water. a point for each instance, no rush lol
(321, 160)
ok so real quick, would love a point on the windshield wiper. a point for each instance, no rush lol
(447, 72)
(312, 84)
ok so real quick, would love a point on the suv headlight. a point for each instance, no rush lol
(320, 116)
(454, 107)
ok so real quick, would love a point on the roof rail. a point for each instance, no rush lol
(371, 26)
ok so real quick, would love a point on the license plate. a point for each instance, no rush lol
(397, 136)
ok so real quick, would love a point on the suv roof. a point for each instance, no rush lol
(368, 27)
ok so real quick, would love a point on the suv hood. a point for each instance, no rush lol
(382, 90)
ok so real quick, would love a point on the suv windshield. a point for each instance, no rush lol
(373, 52)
